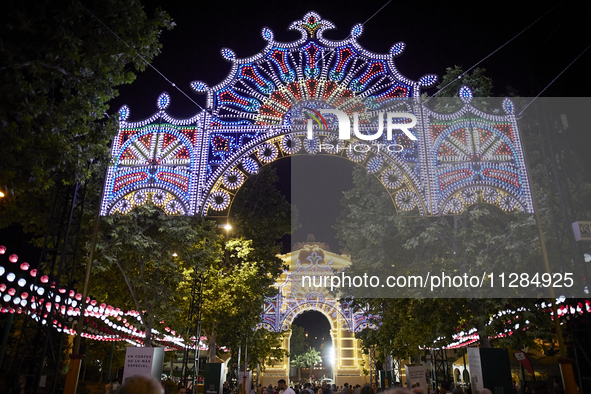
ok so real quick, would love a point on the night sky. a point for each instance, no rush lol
(317, 327)
(437, 35)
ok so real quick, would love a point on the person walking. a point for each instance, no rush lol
(115, 386)
(284, 388)
(326, 389)
(108, 388)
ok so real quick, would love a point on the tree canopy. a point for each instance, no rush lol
(146, 258)
(381, 240)
(297, 343)
(312, 357)
(235, 287)
(60, 67)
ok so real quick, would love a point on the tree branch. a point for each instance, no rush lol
(133, 296)
(46, 65)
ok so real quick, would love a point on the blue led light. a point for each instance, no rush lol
(123, 113)
(250, 165)
(228, 54)
(199, 87)
(465, 94)
(357, 30)
(374, 165)
(163, 101)
(397, 49)
(428, 80)
(267, 34)
(508, 106)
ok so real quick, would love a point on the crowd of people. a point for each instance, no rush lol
(325, 388)
(148, 385)
(313, 388)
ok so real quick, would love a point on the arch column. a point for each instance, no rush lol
(279, 369)
(349, 356)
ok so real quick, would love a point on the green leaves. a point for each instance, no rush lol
(60, 67)
(312, 357)
(297, 341)
(482, 238)
(298, 361)
(151, 260)
(233, 294)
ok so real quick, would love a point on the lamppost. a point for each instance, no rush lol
(227, 227)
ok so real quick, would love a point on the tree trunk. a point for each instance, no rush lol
(299, 374)
(417, 358)
(484, 340)
(211, 339)
(148, 325)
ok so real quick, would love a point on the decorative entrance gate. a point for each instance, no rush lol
(194, 166)
(313, 259)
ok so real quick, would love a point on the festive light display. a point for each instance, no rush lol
(60, 307)
(253, 118)
(512, 318)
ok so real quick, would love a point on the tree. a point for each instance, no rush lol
(154, 254)
(312, 357)
(378, 238)
(264, 348)
(60, 67)
(477, 81)
(236, 287)
(262, 214)
(232, 297)
(297, 344)
(299, 362)
(98, 354)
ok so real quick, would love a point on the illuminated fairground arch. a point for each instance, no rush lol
(294, 297)
(195, 166)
